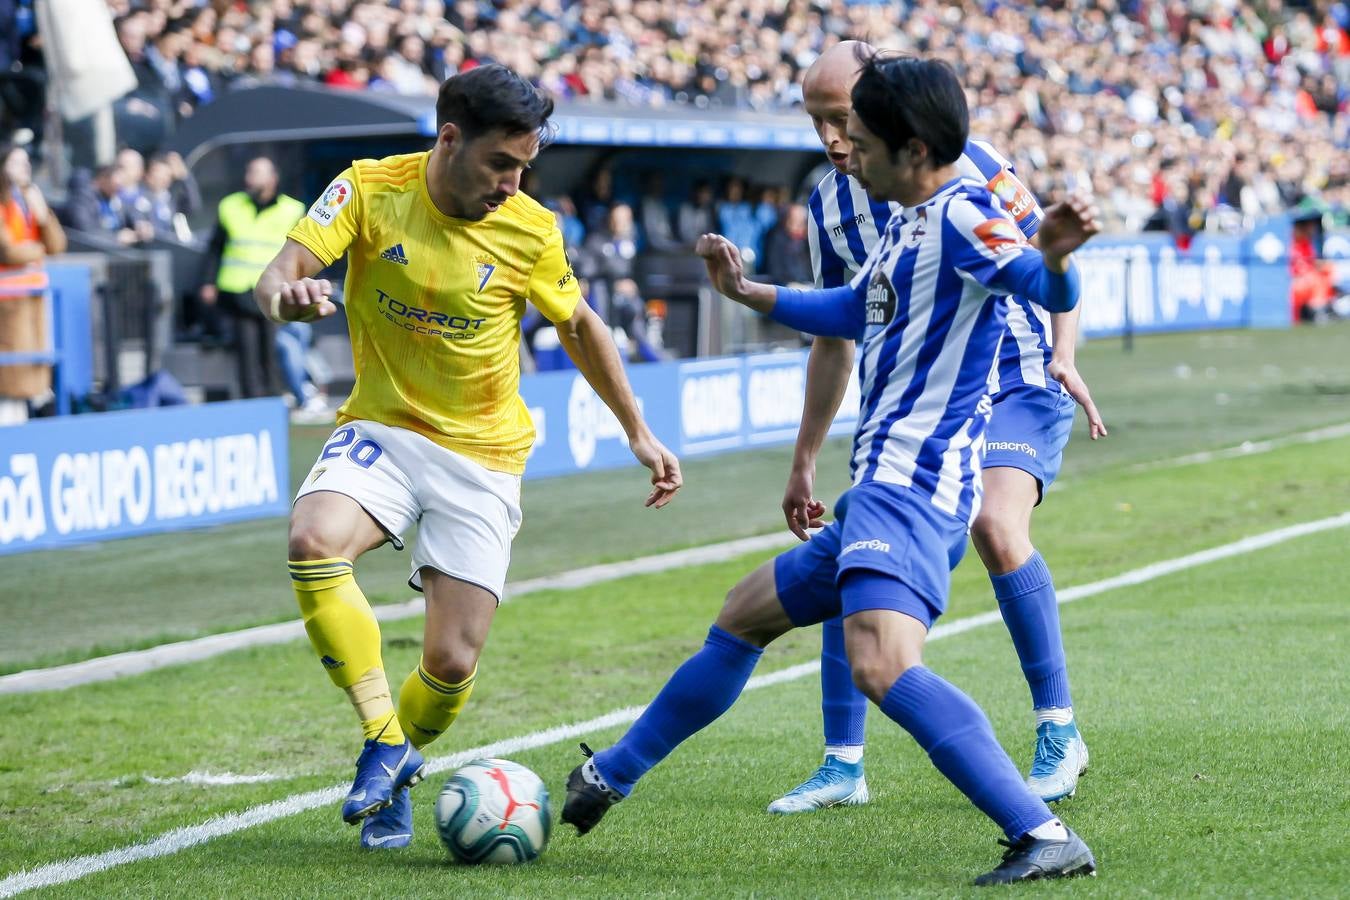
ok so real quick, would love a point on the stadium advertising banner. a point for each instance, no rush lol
(94, 477)
(1146, 284)
(696, 408)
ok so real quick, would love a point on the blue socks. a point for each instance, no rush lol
(1026, 598)
(699, 691)
(842, 705)
(960, 742)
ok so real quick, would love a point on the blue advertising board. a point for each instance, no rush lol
(77, 479)
(696, 408)
(1145, 283)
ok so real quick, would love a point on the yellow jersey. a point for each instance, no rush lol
(434, 305)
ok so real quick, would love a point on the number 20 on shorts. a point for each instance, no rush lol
(363, 452)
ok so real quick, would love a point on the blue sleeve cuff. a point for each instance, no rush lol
(831, 312)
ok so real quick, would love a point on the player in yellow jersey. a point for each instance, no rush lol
(443, 252)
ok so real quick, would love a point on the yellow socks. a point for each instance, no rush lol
(345, 634)
(427, 705)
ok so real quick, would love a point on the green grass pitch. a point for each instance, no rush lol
(1209, 698)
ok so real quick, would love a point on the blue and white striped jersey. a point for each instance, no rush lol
(934, 320)
(847, 224)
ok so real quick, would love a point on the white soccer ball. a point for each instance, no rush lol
(494, 811)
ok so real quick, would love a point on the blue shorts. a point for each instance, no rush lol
(1028, 431)
(882, 528)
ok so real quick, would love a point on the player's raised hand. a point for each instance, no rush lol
(665, 468)
(1066, 373)
(723, 259)
(800, 508)
(304, 300)
(1068, 225)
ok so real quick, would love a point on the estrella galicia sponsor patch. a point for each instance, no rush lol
(999, 235)
(331, 201)
(880, 300)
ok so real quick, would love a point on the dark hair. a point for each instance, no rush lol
(903, 97)
(490, 98)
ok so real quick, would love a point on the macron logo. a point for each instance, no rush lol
(1011, 447)
(395, 254)
(873, 544)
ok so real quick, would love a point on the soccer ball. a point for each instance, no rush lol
(494, 811)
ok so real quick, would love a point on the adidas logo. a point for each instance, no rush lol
(330, 663)
(395, 254)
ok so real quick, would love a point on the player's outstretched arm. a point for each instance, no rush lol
(589, 343)
(287, 291)
(1064, 369)
(833, 312)
(827, 372)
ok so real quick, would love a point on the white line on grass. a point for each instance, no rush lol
(1248, 448)
(182, 838)
(212, 779)
(136, 662)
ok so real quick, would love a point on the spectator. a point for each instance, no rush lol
(736, 219)
(251, 227)
(610, 252)
(787, 256)
(97, 207)
(698, 215)
(569, 223)
(656, 226)
(597, 200)
(29, 233)
(168, 197)
(1312, 280)
(628, 316)
(309, 400)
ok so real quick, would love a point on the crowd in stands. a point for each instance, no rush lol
(134, 200)
(1128, 95)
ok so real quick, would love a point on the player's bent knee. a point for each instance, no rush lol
(875, 673)
(308, 540)
(752, 611)
(449, 664)
(1002, 542)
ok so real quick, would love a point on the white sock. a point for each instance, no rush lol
(1052, 830)
(1058, 715)
(849, 754)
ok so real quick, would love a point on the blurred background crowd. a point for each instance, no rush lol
(1127, 96)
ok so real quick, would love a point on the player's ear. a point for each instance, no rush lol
(918, 151)
(450, 136)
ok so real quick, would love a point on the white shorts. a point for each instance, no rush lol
(468, 513)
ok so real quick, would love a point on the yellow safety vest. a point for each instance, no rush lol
(252, 238)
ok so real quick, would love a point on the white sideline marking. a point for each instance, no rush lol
(182, 838)
(214, 779)
(135, 662)
(1248, 448)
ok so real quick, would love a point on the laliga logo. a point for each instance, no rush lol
(589, 421)
(336, 195)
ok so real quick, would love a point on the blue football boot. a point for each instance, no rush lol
(1061, 756)
(381, 769)
(835, 783)
(391, 827)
